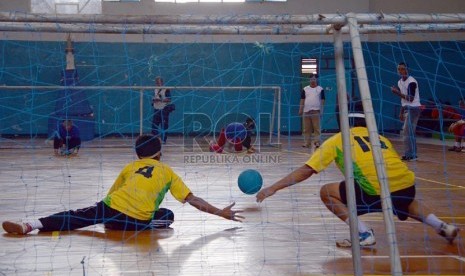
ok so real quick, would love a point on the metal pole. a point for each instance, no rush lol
(396, 267)
(200, 29)
(276, 105)
(279, 116)
(273, 110)
(253, 19)
(141, 111)
(133, 88)
(348, 166)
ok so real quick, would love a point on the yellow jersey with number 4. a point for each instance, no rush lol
(141, 187)
(398, 174)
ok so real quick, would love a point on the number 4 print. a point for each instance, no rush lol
(146, 171)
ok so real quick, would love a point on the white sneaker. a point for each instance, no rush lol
(448, 231)
(16, 227)
(366, 239)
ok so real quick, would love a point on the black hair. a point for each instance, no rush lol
(403, 64)
(357, 122)
(249, 123)
(354, 121)
(147, 145)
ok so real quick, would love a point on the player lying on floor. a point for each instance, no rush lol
(66, 139)
(133, 202)
(236, 134)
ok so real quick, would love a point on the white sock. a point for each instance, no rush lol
(362, 227)
(433, 221)
(457, 144)
(35, 224)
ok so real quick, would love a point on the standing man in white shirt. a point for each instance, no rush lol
(407, 90)
(312, 100)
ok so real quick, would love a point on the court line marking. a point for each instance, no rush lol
(417, 177)
(457, 257)
(439, 182)
(443, 188)
(373, 218)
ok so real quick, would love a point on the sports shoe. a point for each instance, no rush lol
(448, 231)
(366, 239)
(16, 227)
(456, 149)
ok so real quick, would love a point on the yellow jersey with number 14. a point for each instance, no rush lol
(141, 187)
(399, 176)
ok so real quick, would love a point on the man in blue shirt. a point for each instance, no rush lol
(67, 138)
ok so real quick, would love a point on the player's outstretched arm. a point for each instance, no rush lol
(294, 177)
(206, 207)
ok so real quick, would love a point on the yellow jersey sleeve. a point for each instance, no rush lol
(178, 189)
(325, 154)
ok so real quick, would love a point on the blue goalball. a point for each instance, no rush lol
(235, 132)
(250, 181)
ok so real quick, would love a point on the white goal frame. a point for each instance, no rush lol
(275, 112)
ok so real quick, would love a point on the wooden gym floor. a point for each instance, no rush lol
(291, 233)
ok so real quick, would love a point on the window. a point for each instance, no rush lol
(309, 66)
(95, 6)
(66, 6)
(214, 1)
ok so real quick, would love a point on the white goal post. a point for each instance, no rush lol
(272, 128)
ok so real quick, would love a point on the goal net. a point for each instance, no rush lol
(258, 74)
